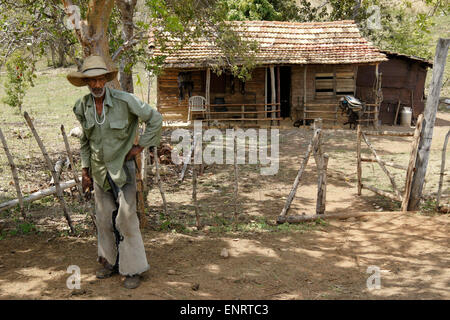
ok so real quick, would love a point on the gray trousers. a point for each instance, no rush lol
(132, 258)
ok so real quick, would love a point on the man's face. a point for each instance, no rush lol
(97, 85)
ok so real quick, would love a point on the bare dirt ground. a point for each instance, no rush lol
(318, 260)
(329, 262)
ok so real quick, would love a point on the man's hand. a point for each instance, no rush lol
(86, 180)
(133, 152)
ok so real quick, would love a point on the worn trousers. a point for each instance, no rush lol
(132, 257)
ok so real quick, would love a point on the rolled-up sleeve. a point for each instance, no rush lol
(152, 119)
(85, 149)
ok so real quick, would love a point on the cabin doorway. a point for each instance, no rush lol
(283, 83)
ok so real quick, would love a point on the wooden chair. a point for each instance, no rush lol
(197, 103)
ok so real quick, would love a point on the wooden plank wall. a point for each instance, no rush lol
(402, 80)
(344, 77)
(173, 108)
(169, 104)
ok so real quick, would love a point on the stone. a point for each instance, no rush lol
(224, 253)
(195, 286)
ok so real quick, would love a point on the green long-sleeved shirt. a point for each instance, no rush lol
(104, 147)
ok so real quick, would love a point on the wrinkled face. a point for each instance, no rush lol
(97, 86)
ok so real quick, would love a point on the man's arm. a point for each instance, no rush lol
(85, 149)
(153, 125)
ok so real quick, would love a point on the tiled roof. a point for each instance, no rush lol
(335, 42)
(391, 54)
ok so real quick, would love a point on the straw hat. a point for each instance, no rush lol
(93, 66)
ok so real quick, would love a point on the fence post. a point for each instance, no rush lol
(14, 174)
(428, 124)
(59, 191)
(358, 157)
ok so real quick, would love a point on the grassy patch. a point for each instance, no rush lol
(428, 207)
(20, 228)
(263, 225)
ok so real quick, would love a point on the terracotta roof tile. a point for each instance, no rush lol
(336, 42)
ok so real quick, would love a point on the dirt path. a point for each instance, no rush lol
(326, 262)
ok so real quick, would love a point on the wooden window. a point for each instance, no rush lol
(338, 83)
(324, 84)
(345, 80)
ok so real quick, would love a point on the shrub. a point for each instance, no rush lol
(19, 77)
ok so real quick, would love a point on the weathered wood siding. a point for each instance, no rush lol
(333, 80)
(342, 81)
(175, 109)
(169, 104)
(402, 80)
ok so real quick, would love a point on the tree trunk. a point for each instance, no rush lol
(428, 123)
(92, 32)
(62, 62)
(126, 8)
(52, 51)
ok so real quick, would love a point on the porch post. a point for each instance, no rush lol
(207, 96)
(274, 94)
(305, 69)
(278, 93)
(377, 95)
(265, 92)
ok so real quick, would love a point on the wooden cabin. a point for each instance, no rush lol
(303, 69)
(402, 83)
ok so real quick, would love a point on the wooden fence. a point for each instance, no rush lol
(321, 159)
(396, 194)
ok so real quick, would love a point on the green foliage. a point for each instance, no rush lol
(272, 10)
(22, 228)
(187, 21)
(402, 31)
(19, 77)
(428, 207)
(252, 10)
(169, 225)
(263, 225)
(36, 26)
(402, 27)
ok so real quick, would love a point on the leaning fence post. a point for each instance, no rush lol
(75, 177)
(158, 178)
(194, 187)
(412, 163)
(14, 174)
(72, 163)
(236, 177)
(59, 191)
(358, 157)
(322, 186)
(298, 178)
(441, 176)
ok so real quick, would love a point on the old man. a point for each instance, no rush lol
(109, 119)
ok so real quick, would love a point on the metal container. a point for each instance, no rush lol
(405, 117)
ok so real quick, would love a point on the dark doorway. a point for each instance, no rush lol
(285, 91)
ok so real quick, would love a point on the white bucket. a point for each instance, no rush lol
(405, 117)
